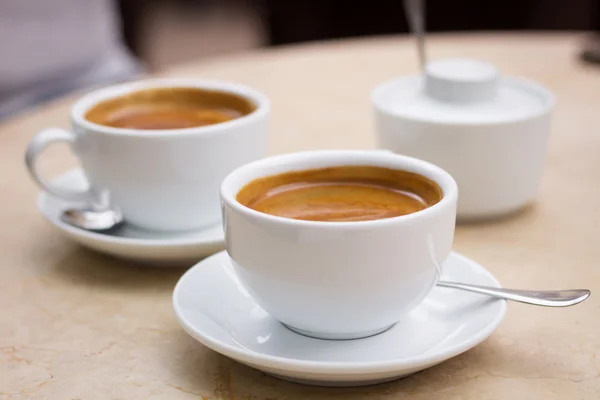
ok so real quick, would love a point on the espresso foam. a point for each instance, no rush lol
(169, 108)
(351, 193)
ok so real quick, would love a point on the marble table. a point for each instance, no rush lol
(79, 325)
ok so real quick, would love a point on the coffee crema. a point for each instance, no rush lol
(170, 108)
(338, 194)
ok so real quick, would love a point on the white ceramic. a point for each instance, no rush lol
(164, 180)
(213, 306)
(165, 249)
(338, 279)
(489, 132)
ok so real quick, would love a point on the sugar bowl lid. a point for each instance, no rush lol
(462, 91)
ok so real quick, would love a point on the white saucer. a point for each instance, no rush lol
(130, 242)
(214, 308)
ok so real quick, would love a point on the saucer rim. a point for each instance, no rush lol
(43, 197)
(335, 367)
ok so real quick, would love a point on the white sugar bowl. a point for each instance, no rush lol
(488, 131)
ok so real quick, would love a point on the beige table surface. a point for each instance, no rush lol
(79, 325)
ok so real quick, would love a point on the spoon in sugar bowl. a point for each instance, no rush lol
(415, 15)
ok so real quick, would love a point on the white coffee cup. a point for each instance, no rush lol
(338, 280)
(489, 132)
(163, 180)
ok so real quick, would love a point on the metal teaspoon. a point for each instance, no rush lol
(92, 220)
(415, 14)
(547, 298)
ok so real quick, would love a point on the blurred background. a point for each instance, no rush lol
(52, 47)
(163, 32)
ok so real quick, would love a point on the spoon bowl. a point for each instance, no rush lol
(93, 220)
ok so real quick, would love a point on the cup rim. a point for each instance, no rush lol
(233, 183)
(91, 99)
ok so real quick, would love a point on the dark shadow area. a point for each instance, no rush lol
(295, 21)
(307, 20)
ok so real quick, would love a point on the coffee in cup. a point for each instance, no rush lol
(170, 108)
(346, 193)
(159, 149)
(342, 271)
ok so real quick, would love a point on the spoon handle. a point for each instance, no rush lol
(415, 13)
(547, 298)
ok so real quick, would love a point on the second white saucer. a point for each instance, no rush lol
(130, 242)
(214, 308)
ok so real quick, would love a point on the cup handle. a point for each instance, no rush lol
(36, 147)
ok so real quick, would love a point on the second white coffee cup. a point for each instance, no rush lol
(163, 180)
(338, 280)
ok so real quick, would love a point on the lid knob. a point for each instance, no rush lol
(461, 80)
